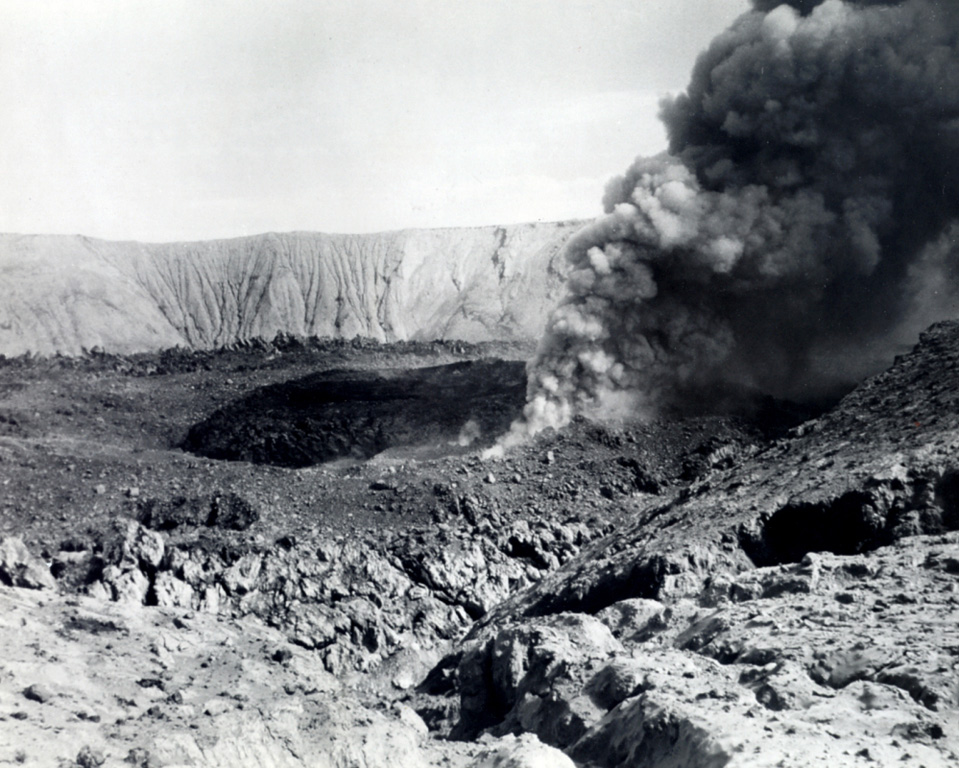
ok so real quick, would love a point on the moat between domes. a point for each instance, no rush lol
(357, 414)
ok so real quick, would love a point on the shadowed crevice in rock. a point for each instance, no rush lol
(644, 580)
(859, 520)
(846, 525)
(947, 498)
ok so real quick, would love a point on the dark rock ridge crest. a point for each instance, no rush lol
(878, 467)
(69, 293)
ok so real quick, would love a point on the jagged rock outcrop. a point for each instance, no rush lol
(859, 649)
(66, 293)
(810, 590)
(879, 466)
(19, 568)
(397, 600)
(529, 678)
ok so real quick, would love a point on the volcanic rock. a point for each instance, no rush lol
(711, 588)
(520, 678)
(38, 693)
(879, 466)
(810, 590)
(223, 709)
(222, 510)
(18, 568)
(524, 752)
(359, 414)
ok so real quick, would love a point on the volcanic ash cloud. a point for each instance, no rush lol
(800, 227)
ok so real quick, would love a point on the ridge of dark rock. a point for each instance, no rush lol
(879, 466)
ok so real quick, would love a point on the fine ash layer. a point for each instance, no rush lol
(66, 293)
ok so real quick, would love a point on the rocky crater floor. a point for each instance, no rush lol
(290, 553)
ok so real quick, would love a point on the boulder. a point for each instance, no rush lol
(530, 677)
(18, 568)
(636, 619)
(170, 592)
(650, 731)
(524, 752)
(127, 544)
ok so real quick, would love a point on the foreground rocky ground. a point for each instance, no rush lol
(717, 590)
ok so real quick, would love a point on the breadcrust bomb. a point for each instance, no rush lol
(801, 227)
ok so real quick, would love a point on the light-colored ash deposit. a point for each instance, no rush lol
(66, 293)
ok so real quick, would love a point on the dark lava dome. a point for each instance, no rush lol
(360, 413)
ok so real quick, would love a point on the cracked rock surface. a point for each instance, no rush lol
(834, 661)
(93, 682)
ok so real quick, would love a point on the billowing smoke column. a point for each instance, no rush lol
(802, 223)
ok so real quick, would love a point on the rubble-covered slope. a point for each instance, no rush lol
(64, 293)
(797, 608)
(883, 464)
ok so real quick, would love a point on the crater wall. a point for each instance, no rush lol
(64, 293)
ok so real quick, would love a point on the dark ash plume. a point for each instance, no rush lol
(802, 224)
(805, 7)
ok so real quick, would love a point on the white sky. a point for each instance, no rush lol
(192, 119)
